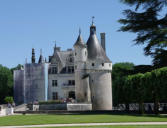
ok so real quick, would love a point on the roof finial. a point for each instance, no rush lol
(79, 31)
(93, 20)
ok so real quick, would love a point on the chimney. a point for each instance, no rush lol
(103, 42)
(33, 56)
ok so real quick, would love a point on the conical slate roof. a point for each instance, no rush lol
(79, 41)
(95, 50)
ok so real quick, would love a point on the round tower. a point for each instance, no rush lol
(99, 68)
(81, 84)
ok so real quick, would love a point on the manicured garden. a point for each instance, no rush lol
(83, 118)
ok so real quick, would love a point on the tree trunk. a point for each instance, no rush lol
(127, 106)
(156, 104)
(141, 107)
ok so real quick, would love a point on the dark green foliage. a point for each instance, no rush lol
(119, 72)
(149, 22)
(9, 99)
(147, 87)
(6, 83)
(121, 93)
(142, 69)
(160, 58)
(18, 67)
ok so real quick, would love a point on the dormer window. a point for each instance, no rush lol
(70, 58)
(53, 70)
(70, 69)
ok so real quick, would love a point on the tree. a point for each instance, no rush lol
(18, 67)
(149, 21)
(160, 58)
(119, 73)
(138, 90)
(6, 83)
(9, 99)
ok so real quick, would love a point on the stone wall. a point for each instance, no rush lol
(101, 90)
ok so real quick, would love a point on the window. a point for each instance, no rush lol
(71, 94)
(70, 69)
(54, 83)
(75, 53)
(93, 64)
(71, 60)
(71, 82)
(102, 64)
(110, 65)
(75, 66)
(55, 95)
(53, 70)
(85, 53)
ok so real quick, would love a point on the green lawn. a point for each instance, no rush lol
(66, 119)
(142, 126)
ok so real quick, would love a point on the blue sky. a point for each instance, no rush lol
(37, 23)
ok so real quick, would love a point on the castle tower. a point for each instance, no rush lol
(99, 68)
(82, 85)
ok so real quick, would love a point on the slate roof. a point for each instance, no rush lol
(62, 56)
(95, 50)
(79, 42)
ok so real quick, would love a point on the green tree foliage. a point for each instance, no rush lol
(119, 72)
(160, 58)
(149, 21)
(142, 69)
(9, 99)
(147, 87)
(6, 83)
(18, 67)
(137, 90)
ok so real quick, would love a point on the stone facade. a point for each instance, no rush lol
(83, 74)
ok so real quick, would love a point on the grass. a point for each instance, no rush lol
(141, 126)
(68, 119)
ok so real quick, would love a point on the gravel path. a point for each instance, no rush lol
(86, 124)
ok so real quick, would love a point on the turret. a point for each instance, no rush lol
(33, 56)
(80, 50)
(41, 59)
(99, 69)
(82, 88)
